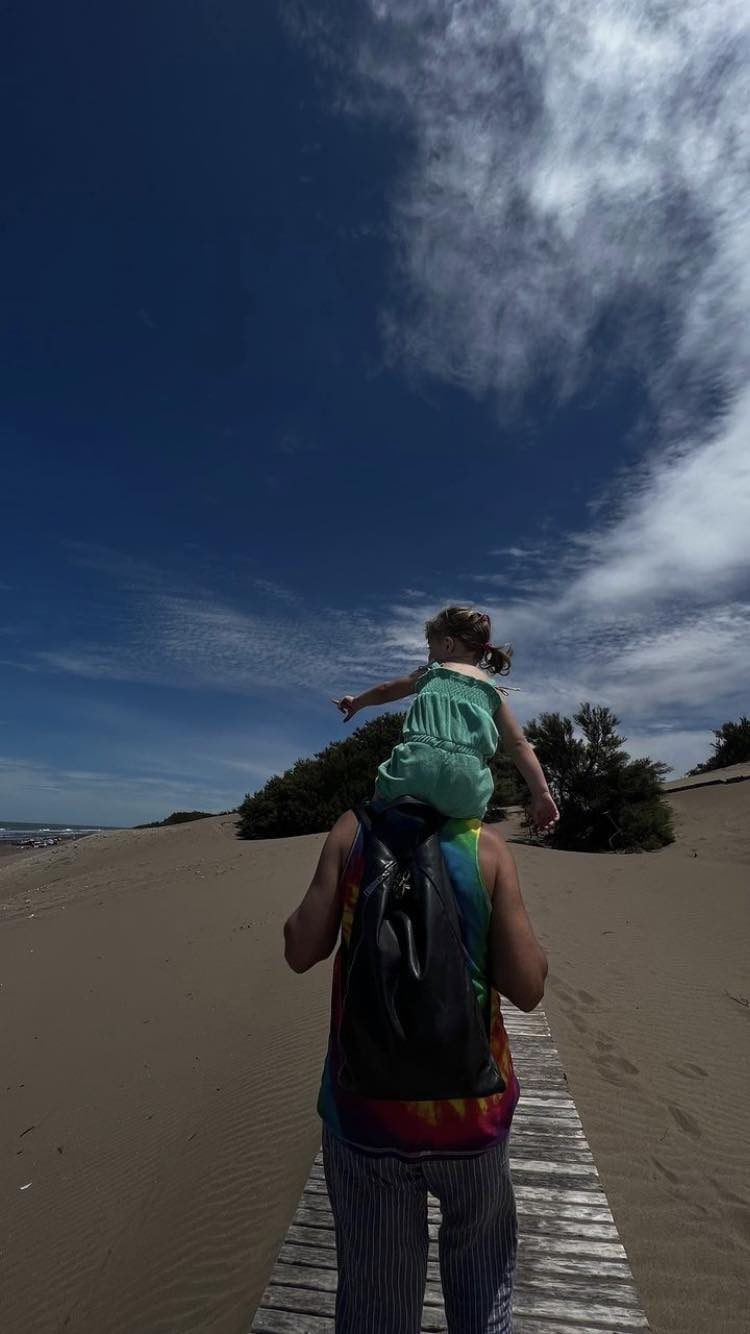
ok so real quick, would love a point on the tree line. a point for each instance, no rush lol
(607, 800)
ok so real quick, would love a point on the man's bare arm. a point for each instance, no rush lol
(310, 934)
(518, 962)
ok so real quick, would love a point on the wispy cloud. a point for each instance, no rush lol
(562, 156)
(684, 529)
(168, 634)
(517, 552)
(572, 646)
(275, 590)
(571, 194)
(670, 684)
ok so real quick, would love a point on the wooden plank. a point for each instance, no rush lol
(268, 1321)
(572, 1274)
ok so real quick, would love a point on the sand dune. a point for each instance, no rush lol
(166, 1058)
(160, 1066)
(647, 999)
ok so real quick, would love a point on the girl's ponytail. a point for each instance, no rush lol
(473, 628)
(496, 660)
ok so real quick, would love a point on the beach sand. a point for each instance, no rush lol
(160, 1066)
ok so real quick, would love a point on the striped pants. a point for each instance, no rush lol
(379, 1209)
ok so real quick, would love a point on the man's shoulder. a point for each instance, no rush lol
(345, 827)
(493, 855)
(343, 832)
(490, 836)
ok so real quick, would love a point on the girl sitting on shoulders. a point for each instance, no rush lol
(453, 726)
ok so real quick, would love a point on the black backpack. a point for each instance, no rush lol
(411, 1025)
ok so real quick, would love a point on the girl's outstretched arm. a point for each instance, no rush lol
(385, 693)
(544, 812)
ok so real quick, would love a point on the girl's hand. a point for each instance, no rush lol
(345, 706)
(543, 813)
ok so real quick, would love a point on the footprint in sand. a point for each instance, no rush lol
(739, 1214)
(735, 1212)
(578, 1023)
(666, 1172)
(728, 1195)
(685, 1121)
(586, 997)
(688, 1069)
(613, 1067)
(564, 993)
(604, 1043)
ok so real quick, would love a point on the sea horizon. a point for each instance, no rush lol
(10, 830)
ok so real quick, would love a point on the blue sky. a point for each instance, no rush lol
(311, 324)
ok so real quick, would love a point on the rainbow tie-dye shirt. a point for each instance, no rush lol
(444, 1127)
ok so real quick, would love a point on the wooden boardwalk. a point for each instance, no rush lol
(572, 1276)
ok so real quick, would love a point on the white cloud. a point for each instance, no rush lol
(274, 590)
(200, 640)
(685, 529)
(657, 679)
(516, 553)
(573, 194)
(572, 191)
(562, 155)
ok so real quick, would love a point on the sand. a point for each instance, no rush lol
(647, 999)
(160, 1066)
(166, 1059)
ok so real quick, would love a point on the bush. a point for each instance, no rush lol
(732, 746)
(510, 789)
(178, 817)
(311, 796)
(607, 801)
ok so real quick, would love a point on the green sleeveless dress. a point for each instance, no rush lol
(449, 735)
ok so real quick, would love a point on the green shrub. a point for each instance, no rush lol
(732, 746)
(510, 789)
(178, 817)
(310, 797)
(606, 800)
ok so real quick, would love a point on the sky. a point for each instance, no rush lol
(315, 318)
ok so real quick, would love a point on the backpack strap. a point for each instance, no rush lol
(401, 825)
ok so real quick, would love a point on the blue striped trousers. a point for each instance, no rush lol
(379, 1207)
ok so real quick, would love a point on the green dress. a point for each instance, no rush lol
(449, 735)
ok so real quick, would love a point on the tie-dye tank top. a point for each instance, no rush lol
(443, 1127)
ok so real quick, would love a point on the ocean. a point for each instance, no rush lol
(23, 831)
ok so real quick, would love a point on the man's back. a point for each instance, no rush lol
(381, 1158)
(486, 889)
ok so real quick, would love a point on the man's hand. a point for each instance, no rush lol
(543, 813)
(346, 705)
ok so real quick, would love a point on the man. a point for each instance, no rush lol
(382, 1157)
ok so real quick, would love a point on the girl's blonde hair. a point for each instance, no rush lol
(474, 630)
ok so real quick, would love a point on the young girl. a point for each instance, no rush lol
(453, 726)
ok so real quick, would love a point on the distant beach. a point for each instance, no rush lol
(161, 1065)
(20, 836)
